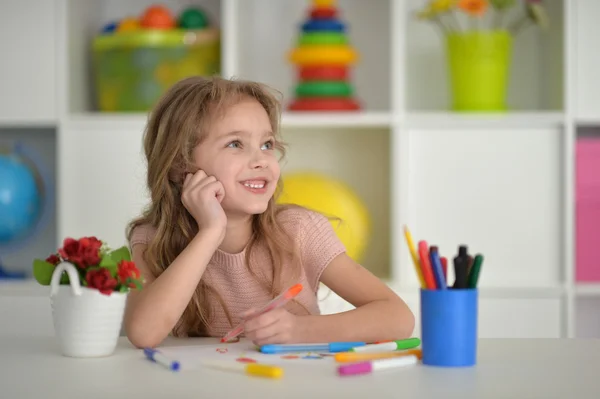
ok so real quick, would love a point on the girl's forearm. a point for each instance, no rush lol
(159, 305)
(376, 321)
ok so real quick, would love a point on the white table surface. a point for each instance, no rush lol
(32, 367)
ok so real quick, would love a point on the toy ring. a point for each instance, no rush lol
(319, 55)
(320, 25)
(322, 38)
(324, 89)
(323, 13)
(324, 104)
(323, 72)
(323, 3)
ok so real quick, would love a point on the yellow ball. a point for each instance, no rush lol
(334, 199)
(324, 3)
(128, 25)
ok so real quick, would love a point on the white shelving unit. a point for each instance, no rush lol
(502, 183)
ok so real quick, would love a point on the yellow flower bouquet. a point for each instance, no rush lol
(479, 49)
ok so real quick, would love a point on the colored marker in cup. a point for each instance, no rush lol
(279, 301)
(376, 365)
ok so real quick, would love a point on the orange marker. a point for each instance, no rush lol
(426, 265)
(348, 357)
(279, 301)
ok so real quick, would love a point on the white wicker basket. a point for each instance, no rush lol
(86, 322)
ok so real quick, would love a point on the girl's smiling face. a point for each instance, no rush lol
(239, 151)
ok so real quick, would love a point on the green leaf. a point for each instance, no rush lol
(120, 254)
(42, 271)
(64, 279)
(108, 262)
(138, 285)
(123, 288)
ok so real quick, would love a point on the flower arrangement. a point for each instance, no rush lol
(444, 13)
(98, 267)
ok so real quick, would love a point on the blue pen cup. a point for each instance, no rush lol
(449, 327)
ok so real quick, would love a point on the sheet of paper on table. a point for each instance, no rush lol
(191, 357)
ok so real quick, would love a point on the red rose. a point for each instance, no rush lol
(83, 252)
(101, 280)
(127, 269)
(54, 259)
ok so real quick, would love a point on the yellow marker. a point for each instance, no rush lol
(253, 369)
(415, 257)
(349, 357)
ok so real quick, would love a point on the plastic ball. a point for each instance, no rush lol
(109, 27)
(20, 200)
(335, 199)
(193, 18)
(128, 25)
(157, 17)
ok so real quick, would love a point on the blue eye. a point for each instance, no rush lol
(234, 144)
(269, 145)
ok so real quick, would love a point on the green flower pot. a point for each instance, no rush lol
(479, 65)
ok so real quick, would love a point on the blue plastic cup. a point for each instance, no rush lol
(449, 327)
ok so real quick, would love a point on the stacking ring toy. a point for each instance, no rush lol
(322, 38)
(323, 3)
(324, 104)
(319, 55)
(324, 72)
(320, 25)
(323, 13)
(323, 89)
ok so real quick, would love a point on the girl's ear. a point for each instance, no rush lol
(179, 171)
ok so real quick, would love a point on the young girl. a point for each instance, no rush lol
(214, 244)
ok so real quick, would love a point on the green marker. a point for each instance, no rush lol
(389, 346)
(475, 270)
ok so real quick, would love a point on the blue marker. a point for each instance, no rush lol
(161, 359)
(438, 270)
(333, 347)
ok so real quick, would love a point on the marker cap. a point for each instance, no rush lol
(262, 370)
(355, 368)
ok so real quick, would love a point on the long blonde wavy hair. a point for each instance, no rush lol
(176, 126)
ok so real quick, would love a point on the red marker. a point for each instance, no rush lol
(279, 301)
(426, 265)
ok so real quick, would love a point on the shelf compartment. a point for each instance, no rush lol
(41, 143)
(535, 75)
(84, 20)
(587, 205)
(587, 318)
(360, 159)
(264, 47)
(476, 187)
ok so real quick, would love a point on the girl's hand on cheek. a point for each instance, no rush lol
(202, 196)
(277, 326)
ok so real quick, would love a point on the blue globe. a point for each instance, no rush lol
(20, 199)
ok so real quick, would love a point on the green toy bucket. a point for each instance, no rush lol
(479, 65)
(133, 69)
